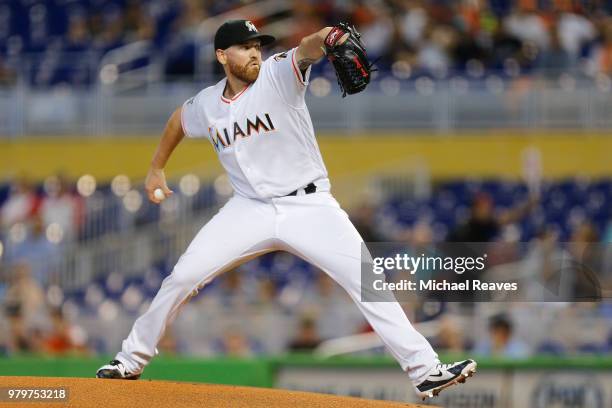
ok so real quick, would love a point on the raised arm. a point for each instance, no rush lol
(344, 49)
(311, 49)
(173, 134)
(518, 212)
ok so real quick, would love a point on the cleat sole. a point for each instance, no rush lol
(461, 378)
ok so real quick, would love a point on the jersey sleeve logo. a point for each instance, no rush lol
(280, 56)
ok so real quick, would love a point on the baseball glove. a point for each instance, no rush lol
(349, 59)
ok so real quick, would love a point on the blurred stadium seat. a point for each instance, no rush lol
(63, 42)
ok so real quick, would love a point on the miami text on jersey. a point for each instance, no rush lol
(228, 137)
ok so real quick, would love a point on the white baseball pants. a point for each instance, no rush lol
(311, 226)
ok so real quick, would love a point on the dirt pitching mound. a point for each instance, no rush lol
(91, 392)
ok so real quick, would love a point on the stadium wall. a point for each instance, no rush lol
(503, 383)
(466, 155)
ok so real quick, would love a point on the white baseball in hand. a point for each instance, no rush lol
(159, 194)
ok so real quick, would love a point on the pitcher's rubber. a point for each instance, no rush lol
(86, 392)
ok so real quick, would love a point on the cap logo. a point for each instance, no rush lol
(250, 26)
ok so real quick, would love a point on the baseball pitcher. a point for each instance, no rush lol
(257, 121)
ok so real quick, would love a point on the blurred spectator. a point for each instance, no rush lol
(306, 22)
(484, 225)
(191, 15)
(419, 240)
(376, 29)
(7, 76)
(168, 345)
(78, 35)
(554, 60)
(337, 314)
(61, 207)
(574, 31)
(21, 204)
(540, 269)
(235, 344)
(506, 47)
(601, 52)
(267, 291)
(468, 54)
(180, 50)
(21, 340)
(414, 19)
(421, 236)
(434, 53)
(450, 338)
(35, 250)
(324, 290)
(112, 33)
(588, 260)
(501, 341)
(24, 306)
(138, 25)
(363, 220)
(307, 337)
(64, 337)
(24, 294)
(233, 290)
(528, 26)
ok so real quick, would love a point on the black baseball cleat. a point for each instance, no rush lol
(117, 371)
(443, 376)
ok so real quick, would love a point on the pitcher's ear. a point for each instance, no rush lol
(221, 57)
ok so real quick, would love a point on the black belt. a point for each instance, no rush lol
(309, 189)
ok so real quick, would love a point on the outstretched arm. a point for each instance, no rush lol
(520, 211)
(344, 49)
(311, 49)
(173, 134)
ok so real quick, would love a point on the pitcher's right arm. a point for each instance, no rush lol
(172, 136)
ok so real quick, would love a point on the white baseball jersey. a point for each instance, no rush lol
(264, 135)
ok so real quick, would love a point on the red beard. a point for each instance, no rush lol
(247, 73)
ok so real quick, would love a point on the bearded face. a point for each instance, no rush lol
(243, 61)
(247, 72)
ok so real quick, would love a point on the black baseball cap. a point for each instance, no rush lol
(234, 32)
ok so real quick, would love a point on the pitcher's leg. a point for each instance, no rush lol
(323, 235)
(214, 250)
